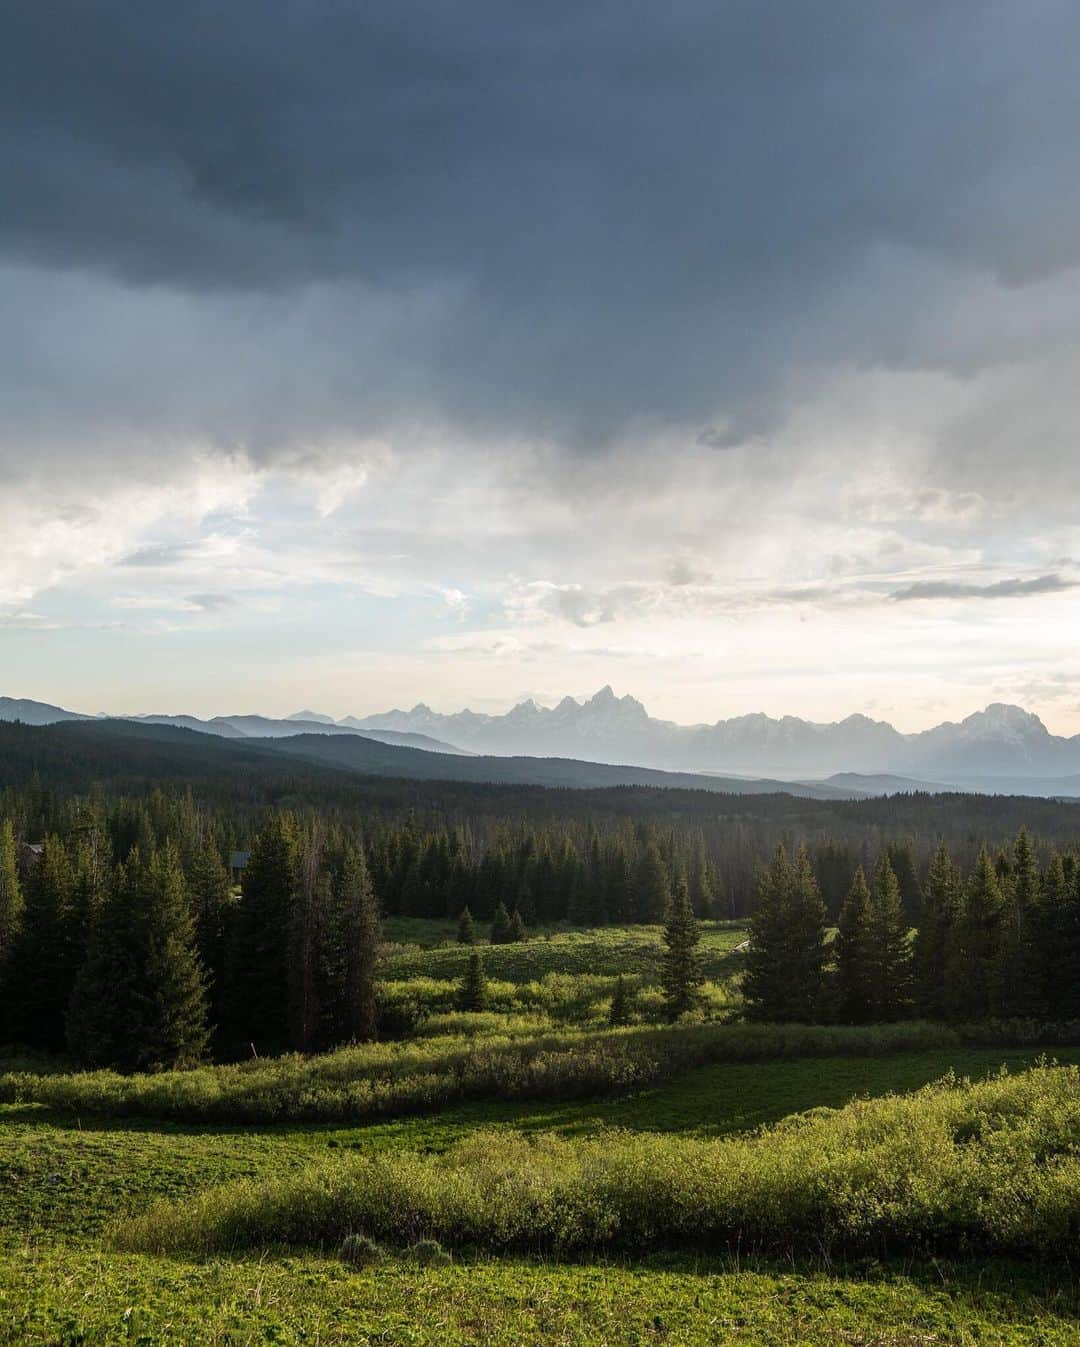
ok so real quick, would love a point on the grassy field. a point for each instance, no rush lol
(428, 949)
(67, 1176)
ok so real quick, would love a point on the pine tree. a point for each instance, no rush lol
(619, 1013)
(786, 950)
(700, 879)
(590, 897)
(214, 908)
(901, 858)
(854, 954)
(518, 931)
(139, 1002)
(307, 947)
(652, 885)
(890, 967)
(466, 931)
(105, 1021)
(472, 990)
(1056, 941)
(1062, 917)
(175, 982)
(46, 953)
(975, 942)
(490, 881)
(807, 954)
(765, 982)
(259, 976)
(681, 976)
(352, 951)
(500, 926)
(11, 899)
(933, 939)
(1017, 984)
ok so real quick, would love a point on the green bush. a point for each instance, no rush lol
(428, 1253)
(383, 1079)
(376, 1080)
(993, 1166)
(360, 1251)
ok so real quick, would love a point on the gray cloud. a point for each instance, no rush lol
(211, 603)
(1000, 589)
(582, 216)
(161, 554)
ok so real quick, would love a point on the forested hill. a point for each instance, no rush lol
(368, 758)
(45, 771)
(78, 754)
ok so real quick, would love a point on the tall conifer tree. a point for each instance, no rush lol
(681, 975)
(890, 969)
(1017, 986)
(652, 884)
(46, 952)
(786, 952)
(259, 957)
(466, 931)
(1060, 931)
(11, 899)
(933, 939)
(501, 933)
(472, 990)
(307, 946)
(854, 954)
(139, 1002)
(975, 941)
(355, 937)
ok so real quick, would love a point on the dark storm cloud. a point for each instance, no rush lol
(1000, 589)
(636, 210)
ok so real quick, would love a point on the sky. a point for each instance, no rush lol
(358, 354)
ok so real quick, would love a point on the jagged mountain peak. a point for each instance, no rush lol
(1004, 716)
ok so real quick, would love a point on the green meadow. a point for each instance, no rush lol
(537, 1177)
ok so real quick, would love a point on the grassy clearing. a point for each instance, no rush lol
(48, 1297)
(606, 951)
(384, 1079)
(992, 1166)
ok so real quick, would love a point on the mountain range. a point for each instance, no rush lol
(231, 727)
(993, 749)
(88, 751)
(1002, 749)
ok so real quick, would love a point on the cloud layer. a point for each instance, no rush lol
(394, 338)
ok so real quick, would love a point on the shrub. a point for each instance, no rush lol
(360, 1251)
(385, 1079)
(993, 1166)
(428, 1253)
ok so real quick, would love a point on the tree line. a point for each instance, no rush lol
(999, 941)
(49, 790)
(134, 963)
